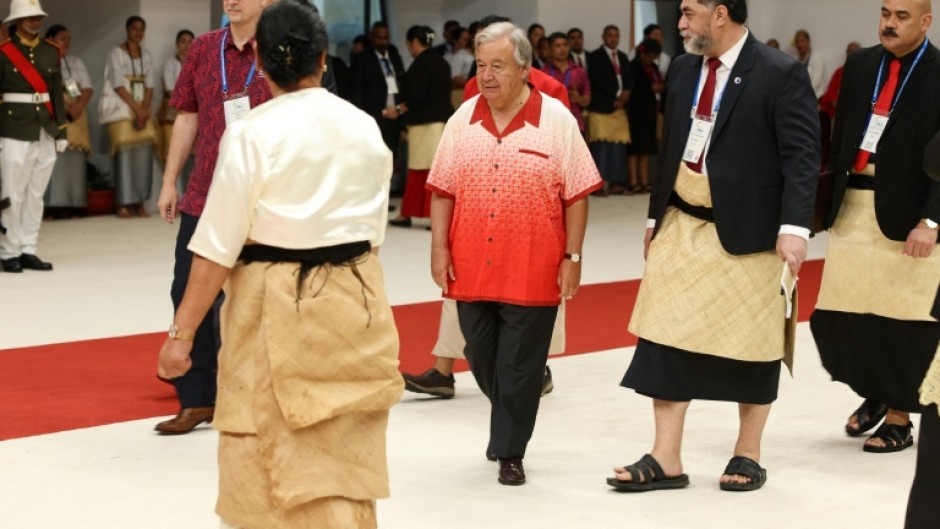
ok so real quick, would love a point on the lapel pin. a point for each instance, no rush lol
(737, 80)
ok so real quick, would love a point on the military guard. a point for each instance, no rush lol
(32, 130)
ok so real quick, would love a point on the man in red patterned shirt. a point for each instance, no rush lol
(217, 85)
(508, 217)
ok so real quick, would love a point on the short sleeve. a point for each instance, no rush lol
(80, 74)
(150, 76)
(184, 93)
(441, 176)
(116, 68)
(169, 74)
(580, 172)
(230, 207)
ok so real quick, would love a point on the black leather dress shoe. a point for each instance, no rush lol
(511, 471)
(401, 223)
(31, 262)
(490, 454)
(11, 265)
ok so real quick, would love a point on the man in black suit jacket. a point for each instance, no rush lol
(726, 221)
(881, 339)
(610, 91)
(377, 74)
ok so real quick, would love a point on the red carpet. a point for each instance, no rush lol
(60, 387)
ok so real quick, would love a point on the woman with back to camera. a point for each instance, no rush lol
(309, 363)
(425, 108)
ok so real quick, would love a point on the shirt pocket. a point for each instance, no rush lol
(531, 152)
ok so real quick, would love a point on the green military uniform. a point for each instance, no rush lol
(22, 121)
(28, 133)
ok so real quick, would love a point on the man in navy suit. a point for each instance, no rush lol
(377, 74)
(730, 211)
(609, 75)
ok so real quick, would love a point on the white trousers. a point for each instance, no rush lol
(450, 342)
(25, 169)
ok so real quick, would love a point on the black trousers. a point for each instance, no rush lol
(197, 387)
(923, 509)
(507, 348)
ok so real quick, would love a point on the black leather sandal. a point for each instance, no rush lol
(895, 437)
(747, 467)
(868, 415)
(645, 475)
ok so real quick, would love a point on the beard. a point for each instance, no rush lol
(697, 44)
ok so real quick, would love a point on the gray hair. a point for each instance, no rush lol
(522, 48)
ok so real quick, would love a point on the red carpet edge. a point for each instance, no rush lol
(52, 388)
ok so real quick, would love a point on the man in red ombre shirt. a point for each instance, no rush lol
(217, 83)
(508, 216)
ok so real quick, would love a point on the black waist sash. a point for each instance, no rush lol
(861, 181)
(339, 255)
(699, 212)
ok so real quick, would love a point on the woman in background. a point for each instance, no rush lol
(171, 71)
(643, 110)
(130, 71)
(425, 108)
(67, 190)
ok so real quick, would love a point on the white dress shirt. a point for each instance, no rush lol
(305, 170)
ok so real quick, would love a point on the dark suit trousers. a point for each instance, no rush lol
(507, 348)
(197, 387)
(923, 509)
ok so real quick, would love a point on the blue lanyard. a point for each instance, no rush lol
(251, 74)
(697, 94)
(881, 68)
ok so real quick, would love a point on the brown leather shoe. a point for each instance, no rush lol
(511, 471)
(186, 420)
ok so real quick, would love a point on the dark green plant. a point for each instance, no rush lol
(98, 180)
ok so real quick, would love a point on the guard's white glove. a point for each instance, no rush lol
(61, 145)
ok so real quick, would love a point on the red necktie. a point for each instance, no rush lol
(882, 107)
(706, 102)
(613, 58)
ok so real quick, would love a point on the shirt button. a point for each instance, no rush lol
(496, 166)
(488, 262)
(494, 189)
(489, 239)
(499, 141)
(492, 215)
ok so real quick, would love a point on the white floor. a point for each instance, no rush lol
(112, 279)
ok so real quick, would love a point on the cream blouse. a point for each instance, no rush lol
(305, 170)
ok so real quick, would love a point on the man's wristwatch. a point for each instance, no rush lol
(573, 257)
(176, 334)
(930, 224)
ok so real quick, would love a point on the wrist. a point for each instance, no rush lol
(176, 333)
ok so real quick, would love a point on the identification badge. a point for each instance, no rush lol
(876, 127)
(138, 90)
(698, 136)
(236, 107)
(392, 84)
(72, 89)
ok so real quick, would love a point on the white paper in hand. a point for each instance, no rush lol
(788, 284)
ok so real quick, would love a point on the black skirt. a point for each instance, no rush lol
(666, 373)
(879, 358)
